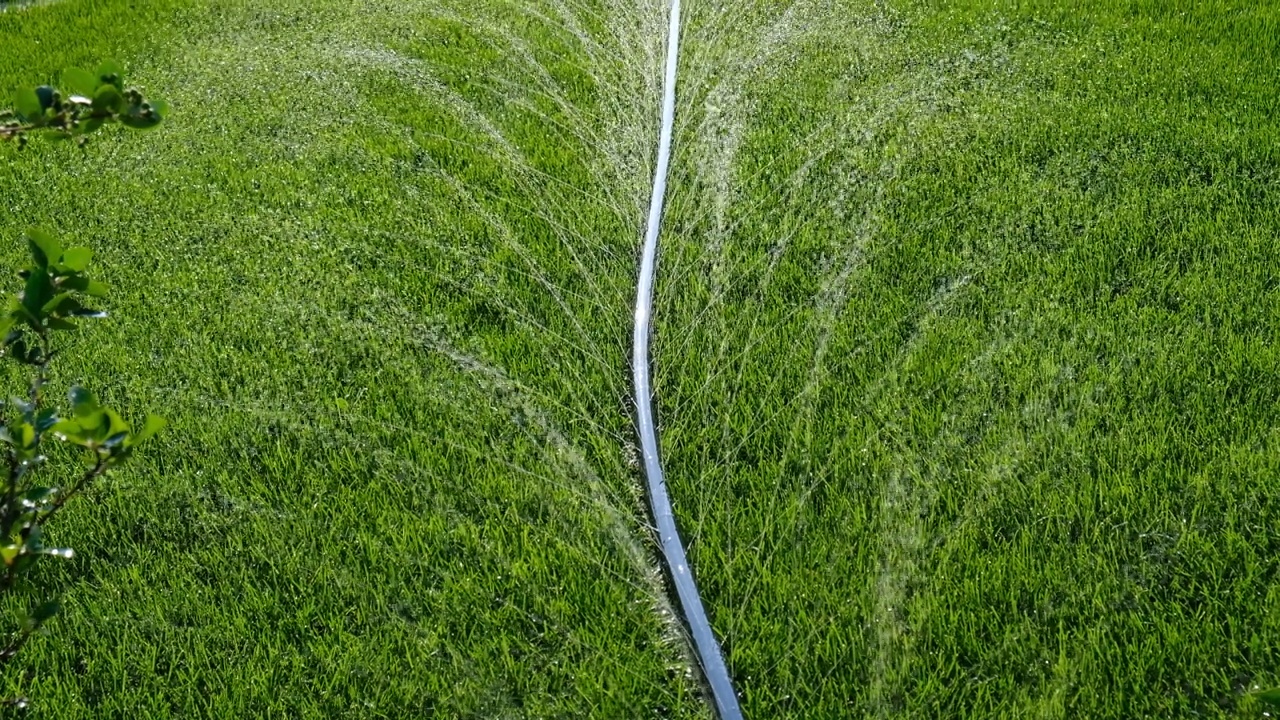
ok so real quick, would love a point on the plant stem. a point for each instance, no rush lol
(7, 654)
(98, 469)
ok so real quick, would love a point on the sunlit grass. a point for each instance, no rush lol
(375, 274)
(964, 364)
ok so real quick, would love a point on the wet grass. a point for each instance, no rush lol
(377, 283)
(963, 360)
(966, 365)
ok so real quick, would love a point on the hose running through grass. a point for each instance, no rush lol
(705, 645)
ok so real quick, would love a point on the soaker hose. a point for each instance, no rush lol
(705, 645)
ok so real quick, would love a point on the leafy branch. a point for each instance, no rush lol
(94, 99)
(57, 288)
(57, 294)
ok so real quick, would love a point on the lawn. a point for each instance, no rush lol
(963, 357)
(966, 357)
(384, 310)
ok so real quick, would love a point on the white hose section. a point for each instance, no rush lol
(705, 645)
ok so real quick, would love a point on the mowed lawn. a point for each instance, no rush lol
(394, 484)
(964, 357)
(967, 360)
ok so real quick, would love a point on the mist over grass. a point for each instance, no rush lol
(963, 357)
(386, 255)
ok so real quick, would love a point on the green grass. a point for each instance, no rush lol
(971, 401)
(388, 490)
(964, 358)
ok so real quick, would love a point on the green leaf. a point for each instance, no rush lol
(139, 123)
(19, 313)
(27, 103)
(39, 290)
(89, 126)
(92, 427)
(76, 259)
(111, 72)
(1270, 698)
(62, 303)
(86, 286)
(108, 99)
(44, 246)
(46, 419)
(64, 426)
(70, 431)
(80, 82)
(160, 107)
(57, 323)
(17, 350)
(116, 425)
(38, 495)
(83, 402)
(34, 541)
(153, 425)
(45, 94)
(46, 611)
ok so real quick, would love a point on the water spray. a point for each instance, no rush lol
(705, 645)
